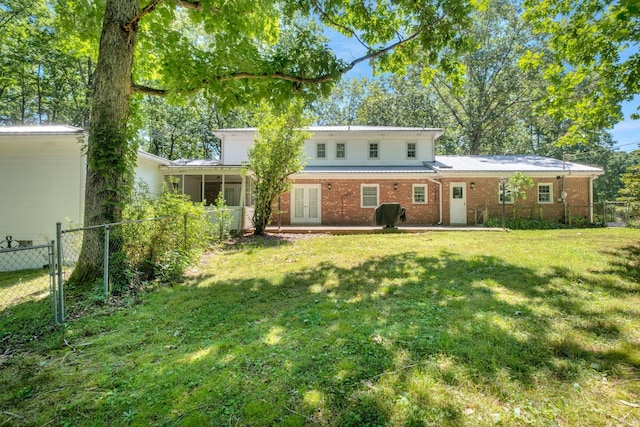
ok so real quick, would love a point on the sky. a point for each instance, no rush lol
(626, 133)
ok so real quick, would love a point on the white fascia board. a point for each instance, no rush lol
(363, 175)
(547, 174)
(199, 170)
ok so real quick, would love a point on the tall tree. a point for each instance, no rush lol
(183, 128)
(253, 50)
(43, 79)
(489, 106)
(277, 153)
(631, 181)
(591, 66)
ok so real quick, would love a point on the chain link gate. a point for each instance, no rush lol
(28, 273)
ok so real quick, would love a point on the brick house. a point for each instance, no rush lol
(350, 170)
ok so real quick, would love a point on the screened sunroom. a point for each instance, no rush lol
(205, 182)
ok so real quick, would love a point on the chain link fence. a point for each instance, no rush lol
(135, 251)
(27, 274)
(122, 254)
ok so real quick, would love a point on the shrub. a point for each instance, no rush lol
(224, 219)
(524, 224)
(163, 248)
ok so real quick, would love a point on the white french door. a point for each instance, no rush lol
(305, 204)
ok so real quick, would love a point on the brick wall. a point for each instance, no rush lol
(484, 198)
(341, 205)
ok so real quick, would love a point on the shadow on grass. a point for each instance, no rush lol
(341, 346)
(626, 262)
(25, 307)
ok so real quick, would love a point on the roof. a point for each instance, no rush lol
(153, 157)
(195, 162)
(318, 129)
(41, 130)
(505, 164)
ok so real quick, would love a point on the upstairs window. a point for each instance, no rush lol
(373, 150)
(411, 150)
(321, 150)
(545, 193)
(341, 152)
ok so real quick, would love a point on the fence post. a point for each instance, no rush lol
(60, 301)
(52, 275)
(105, 277)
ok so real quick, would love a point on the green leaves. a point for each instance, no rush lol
(277, 152)
(589, 72)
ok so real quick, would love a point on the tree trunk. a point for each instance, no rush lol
(109, 155)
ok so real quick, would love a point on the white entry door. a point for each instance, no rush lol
(458, 203)
(305, 204)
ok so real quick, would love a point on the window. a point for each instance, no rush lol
(507, 195)
(341, 152)
(373, 150)
(419, 193)
(321, 150)
(545, 193)
(369, 195)
(411, 150)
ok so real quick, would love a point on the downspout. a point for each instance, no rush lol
(439, 197)
(563, 194)
(243, 190)
(591, 202)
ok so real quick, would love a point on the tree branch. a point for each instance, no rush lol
(186, 4)
(131, 25)
(329, 19)
(239, 75)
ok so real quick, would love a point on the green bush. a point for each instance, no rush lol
(539, 224)
(163, 248)
(224, 219)
(524, 224)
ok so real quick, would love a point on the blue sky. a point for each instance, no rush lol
(626, 133)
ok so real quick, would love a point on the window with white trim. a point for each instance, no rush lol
(545, 193)
(507, 195)
(369, 195)
(411, 150)
(321, 150)
(419, 193)
(341, 151)
(373, 150)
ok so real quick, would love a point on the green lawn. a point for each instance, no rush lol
(463, 328)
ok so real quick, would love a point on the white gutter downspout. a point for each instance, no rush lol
(591, 199)
(440, 197)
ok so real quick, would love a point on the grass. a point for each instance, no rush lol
(524, 328)
(22, 285)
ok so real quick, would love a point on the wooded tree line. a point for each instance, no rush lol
(501, 76)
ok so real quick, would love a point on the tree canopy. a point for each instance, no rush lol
(234, 53)
(592, 63)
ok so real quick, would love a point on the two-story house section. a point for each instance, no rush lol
(353, 169)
